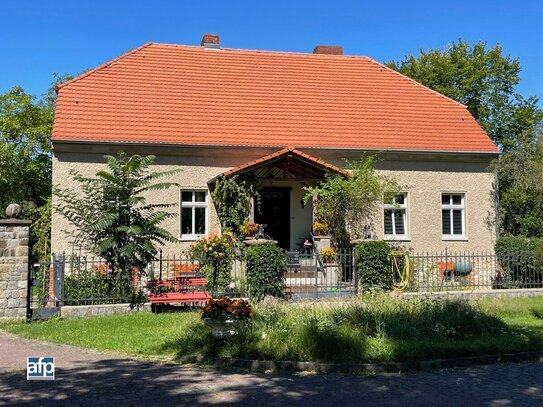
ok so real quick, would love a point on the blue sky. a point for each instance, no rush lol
(38, 38)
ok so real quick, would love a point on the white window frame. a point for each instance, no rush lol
(193, 205)
(396, 209)
(449, 207)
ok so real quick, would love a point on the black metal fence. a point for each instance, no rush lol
(85, 280)
(467, 271)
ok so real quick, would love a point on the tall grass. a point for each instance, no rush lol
(377, 328)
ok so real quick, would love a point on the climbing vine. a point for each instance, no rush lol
(232, 198)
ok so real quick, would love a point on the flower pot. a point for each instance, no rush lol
(222, 328)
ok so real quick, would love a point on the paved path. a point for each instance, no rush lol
(91, 378)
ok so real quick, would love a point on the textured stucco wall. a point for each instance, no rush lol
(425, 183)
(424, 178)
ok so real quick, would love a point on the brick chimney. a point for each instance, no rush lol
(210, 41)
(328, 50)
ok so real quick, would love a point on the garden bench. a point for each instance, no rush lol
(186, 291)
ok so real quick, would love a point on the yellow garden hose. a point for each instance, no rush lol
(401, 269)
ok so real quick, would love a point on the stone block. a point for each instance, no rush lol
(21, 268)
(12, 243)
(12, 285)
(23, 293)
(14, 303)
(21, 251)
(22, 284)
(22, 233)
(10, 312)
(23, 241)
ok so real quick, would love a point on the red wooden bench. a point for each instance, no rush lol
(186, 291)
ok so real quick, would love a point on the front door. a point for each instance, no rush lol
(274, 212)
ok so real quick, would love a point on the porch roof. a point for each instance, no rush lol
(286, 163)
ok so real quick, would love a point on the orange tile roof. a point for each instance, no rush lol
(162, 93)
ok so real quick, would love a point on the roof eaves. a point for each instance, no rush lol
(394, 150)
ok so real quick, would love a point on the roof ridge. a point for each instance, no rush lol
(262, 51)
(416, 82)
(104, 65)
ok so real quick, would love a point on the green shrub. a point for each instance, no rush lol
(521, 259)
(372, 265)
(92, 288)
(266, 264)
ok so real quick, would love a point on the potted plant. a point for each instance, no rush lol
(328, 255)
(320, 229)
(225, 315)
(249, 229)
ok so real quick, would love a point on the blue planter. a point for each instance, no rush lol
(462, 267)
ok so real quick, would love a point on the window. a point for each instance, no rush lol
(453, 222)
(396, 217)
(193, 214)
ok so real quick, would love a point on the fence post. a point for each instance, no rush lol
(160, 265)
(58, 271)
(355, 272)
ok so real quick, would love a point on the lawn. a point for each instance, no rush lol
(373, 329)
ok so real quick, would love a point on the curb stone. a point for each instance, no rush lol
(364, 368)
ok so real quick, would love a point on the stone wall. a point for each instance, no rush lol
(77, 311)
(13, 268)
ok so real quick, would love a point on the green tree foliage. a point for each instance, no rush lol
(232, 198)
(111, 216)
(25, 129)
(520, 175)
(347, 204)
(25, 159)
(482, 78)
(40, 231)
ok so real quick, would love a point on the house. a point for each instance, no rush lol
(287, 118)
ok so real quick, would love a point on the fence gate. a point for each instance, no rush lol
(44, 294)
(308, 275)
